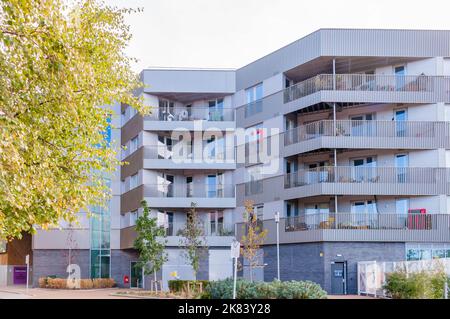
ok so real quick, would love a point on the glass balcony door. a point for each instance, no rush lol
(400, 73)
(400, 117)
(362, 125)
(215, 185)
(215, 108)
(364, 169)
(401, 164)
(364, 214)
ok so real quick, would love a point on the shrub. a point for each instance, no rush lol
(61, 283)
(193, 286)
(419, 285)
(223, 289)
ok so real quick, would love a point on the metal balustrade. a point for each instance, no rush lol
(358, 88)
(195, 113)
(369, 129)
(360, 174)
(207, 229)
(187, 190)
(188, 152)
(356, 227)
(367, 83)
(365, 221)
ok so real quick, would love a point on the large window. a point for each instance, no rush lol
(215, 110)
(134, 181)
(215, 185)
(427, 251)
(134, 144)
(254, 95)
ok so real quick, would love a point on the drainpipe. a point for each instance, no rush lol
(334, 133)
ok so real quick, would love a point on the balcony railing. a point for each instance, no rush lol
(367, 129)
(208, 229)
(253, 187)
(359, 174)
(189, 190)
(186, 152)
(356, 227)
(364, 82)
(361, 221)
(195, 113)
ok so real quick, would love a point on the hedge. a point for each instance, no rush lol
(223, 289)
(61, 283)
(419, 285)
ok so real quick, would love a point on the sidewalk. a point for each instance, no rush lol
(20, 292)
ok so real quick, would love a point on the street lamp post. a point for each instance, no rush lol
(277, 221)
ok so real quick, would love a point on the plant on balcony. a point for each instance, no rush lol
(192, 241)
(149, 244)
(253, 237)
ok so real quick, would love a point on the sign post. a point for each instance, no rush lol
(27, 261)
(277, 221)
(235, 251)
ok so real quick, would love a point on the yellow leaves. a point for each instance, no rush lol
(55, 75)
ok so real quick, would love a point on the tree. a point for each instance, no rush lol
(253, 237)
(150, 243)
(61, 64)
(193, 241)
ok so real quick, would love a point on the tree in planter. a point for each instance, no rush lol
(253, 237)
(149, 243)
(192, 239)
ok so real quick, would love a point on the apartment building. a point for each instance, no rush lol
(364, 146)
(344, 133)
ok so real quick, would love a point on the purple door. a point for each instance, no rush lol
(20, 275)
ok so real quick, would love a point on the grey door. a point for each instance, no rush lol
(338, 278)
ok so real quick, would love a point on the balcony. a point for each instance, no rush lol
(367, 135)
(216, 235)
(374, 88)
(358, 180)
(348, 88)
(187, 157)
(171, 195)
(382, 227)
(164, 119)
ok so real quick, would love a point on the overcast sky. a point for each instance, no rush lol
(233, 33)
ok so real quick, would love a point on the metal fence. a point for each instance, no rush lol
(361, 174)
(356, 220)
(366, 128)
(372, 275)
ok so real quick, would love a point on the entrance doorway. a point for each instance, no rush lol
(339, 278)
(135, 275)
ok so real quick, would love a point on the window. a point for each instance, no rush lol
(166, 112)
(134, 144)
(134, 181)
(216, 223)
(254, 96)
(401, 166)
(215, 185)
(254, 138)
(215, 110)
(364, 214)
(132, 111)
(364, 169)
(133, 217)
(2, 246)
(189, 187)
(400, 72)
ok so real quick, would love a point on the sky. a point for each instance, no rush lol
(233, 33)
